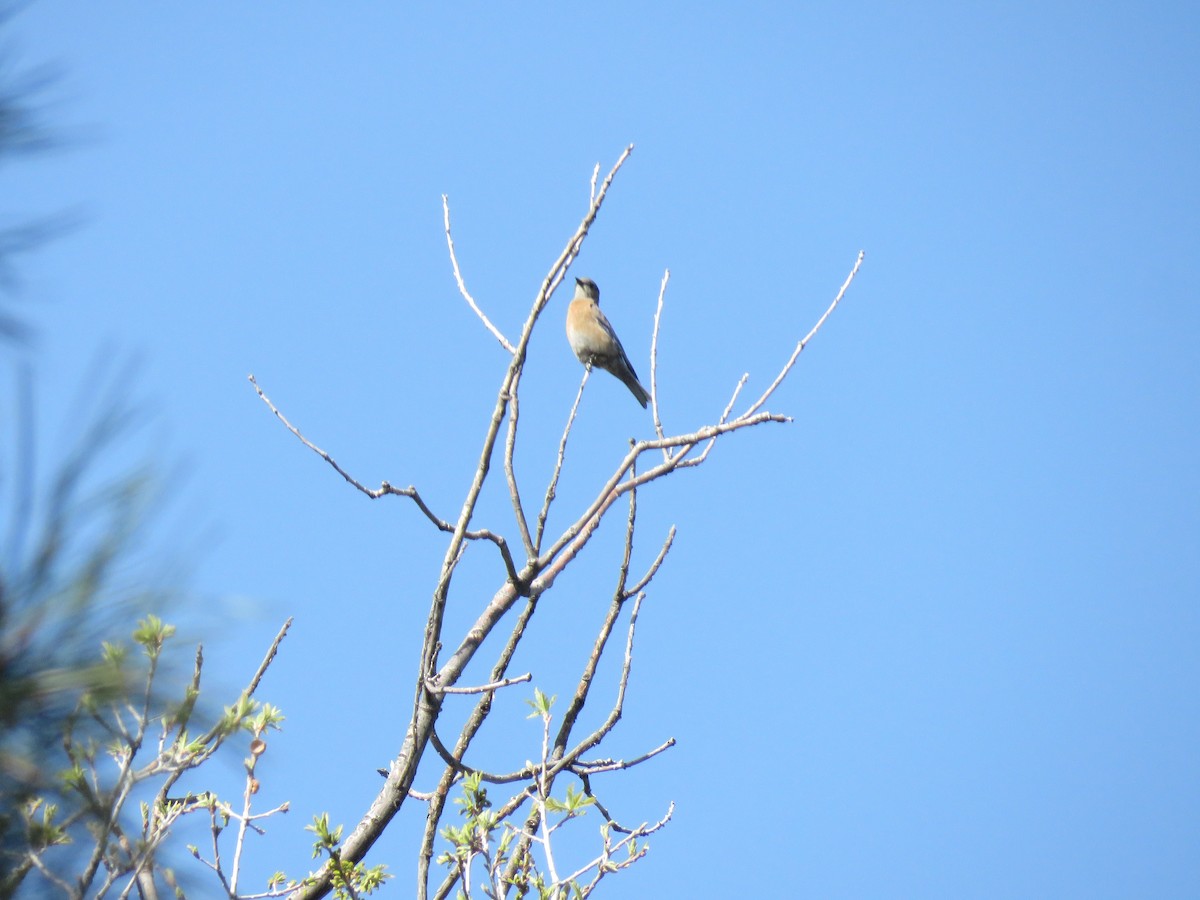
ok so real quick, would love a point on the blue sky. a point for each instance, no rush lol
(936, 638)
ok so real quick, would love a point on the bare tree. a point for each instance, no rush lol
(506, 848)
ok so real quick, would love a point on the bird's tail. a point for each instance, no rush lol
(635, 387)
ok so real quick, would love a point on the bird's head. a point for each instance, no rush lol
(585, 287)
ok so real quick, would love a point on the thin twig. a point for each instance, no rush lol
(268, 658)
(662, 290)
(733, 399)
(482, 688)
(558, 463)
(462, 287)
(455, 762)
(654, 566)
(317, 450)
(543, 795)
(804, 343)
(612, 765)
(385, 489)
(36, 862)
(604, 863)
(622, 685)
(510, 473)
(576, 536)
(697, 460)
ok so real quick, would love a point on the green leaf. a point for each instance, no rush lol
(541, 704)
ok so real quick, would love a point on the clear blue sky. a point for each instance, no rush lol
(937, 638)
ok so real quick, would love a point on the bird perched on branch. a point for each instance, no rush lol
(594, 341)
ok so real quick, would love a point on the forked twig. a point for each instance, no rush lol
(385, 488)
(697, 460)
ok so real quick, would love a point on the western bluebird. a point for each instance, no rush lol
(594, 341)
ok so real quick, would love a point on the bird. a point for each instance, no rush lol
(594, 341)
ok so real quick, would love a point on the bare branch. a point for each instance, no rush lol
(466, 735)
(619, 704)
(462, 287)
(654, 566)
(733, 399)
(502, 545)
(597, 766)
(385, 488)
(36, 861)
(804, 343)
(375, 494)
(558, 464)
(482, 688)
(317, 450)
(572, 540)
(559, 268)
(620, 595)
(267, 659)
(454, 761)
(583, 687)
(662, 290)
(697, 460)
(510, 474)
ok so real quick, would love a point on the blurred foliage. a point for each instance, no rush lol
(24, 96)
(66, 541)
(92, 737)
(68, 583)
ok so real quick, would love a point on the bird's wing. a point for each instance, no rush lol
(616, 341)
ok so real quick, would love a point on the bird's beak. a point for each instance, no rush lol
(579, 281)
